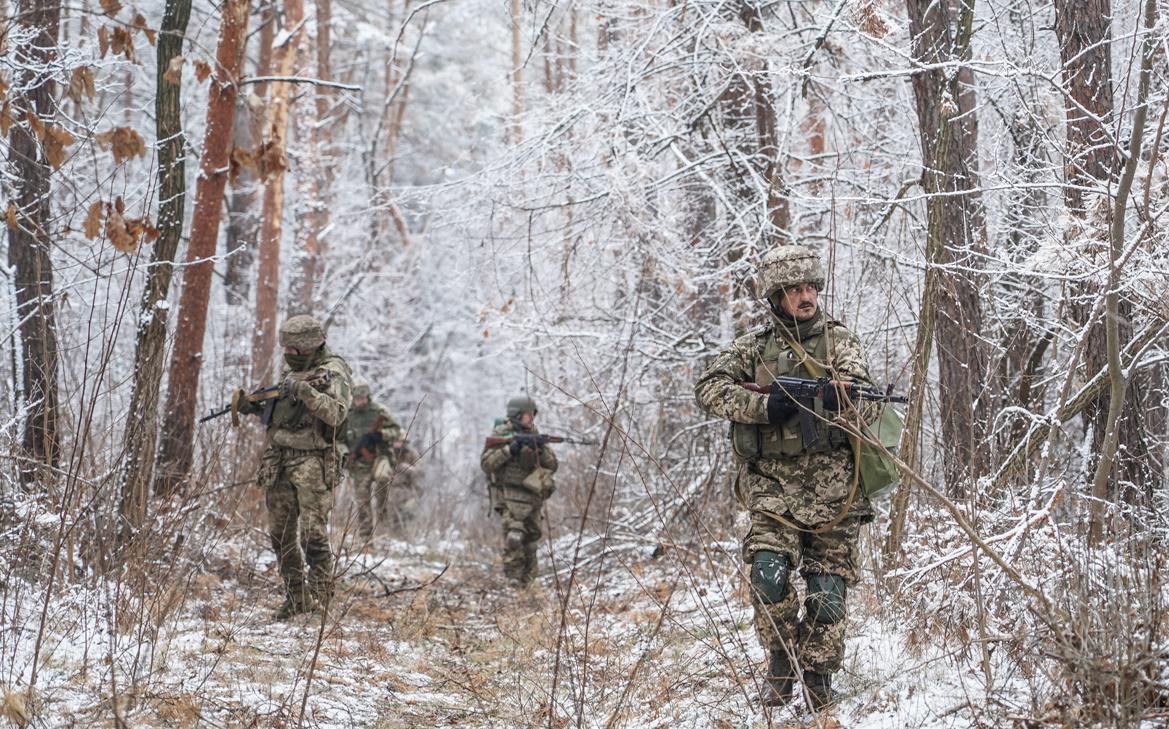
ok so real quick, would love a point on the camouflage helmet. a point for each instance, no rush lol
(789, 265)
(302, 332)
(360, 387)
(519, 405)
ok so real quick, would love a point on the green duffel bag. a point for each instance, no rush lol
(878, 472)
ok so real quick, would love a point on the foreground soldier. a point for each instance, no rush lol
(798, 482)
(381, 463)
(519, 475)
(302, 462)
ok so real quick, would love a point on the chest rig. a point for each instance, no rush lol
(786, 440)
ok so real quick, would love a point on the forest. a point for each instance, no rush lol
(570, 200)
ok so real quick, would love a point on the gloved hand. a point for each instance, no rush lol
(832, 398)
(780, 406)
(375, 437)
(515, 446)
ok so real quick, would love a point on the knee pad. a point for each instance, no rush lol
(825, 600)
(769, 573)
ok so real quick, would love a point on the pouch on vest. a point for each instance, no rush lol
(878, 472)
(539, 481)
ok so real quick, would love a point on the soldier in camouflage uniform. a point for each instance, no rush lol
(381, 463)
(302, 462)
(801, 489)
(519, 474)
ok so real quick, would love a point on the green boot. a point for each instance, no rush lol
(819, 687)
(777, 690)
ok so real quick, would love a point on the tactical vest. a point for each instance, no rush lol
(786, 440)
(359, 422)
(518, 467)
(293, 426)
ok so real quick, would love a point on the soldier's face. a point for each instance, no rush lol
(527, 418)
(360, 401)
(799, 301)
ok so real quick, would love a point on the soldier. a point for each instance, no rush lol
(381, 463)
(799, 486)
(302, 462)
(519, 474)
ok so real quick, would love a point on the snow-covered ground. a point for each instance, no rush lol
(427, 635)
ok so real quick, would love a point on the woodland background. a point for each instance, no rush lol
(569, 198)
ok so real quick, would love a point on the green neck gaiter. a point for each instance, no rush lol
(799, 330)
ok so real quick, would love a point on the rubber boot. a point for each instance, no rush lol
(819, 687)
(777, 691)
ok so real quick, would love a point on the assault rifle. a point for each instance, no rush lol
(271, 394)
(804, 391)
(533, 441)
(366, 446)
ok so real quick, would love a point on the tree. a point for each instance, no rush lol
(274, 160)
(142, 428)
(29, 236)
(1084, 31)
(176, 448)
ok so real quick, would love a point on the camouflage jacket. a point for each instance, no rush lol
(361, 421)
(316, 422)
(504, 469)
(808, 484)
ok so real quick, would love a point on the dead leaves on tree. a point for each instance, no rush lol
(123, 233)
(120, 39)
(124, 142)
(266, 160)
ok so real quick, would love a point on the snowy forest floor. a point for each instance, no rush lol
(428, 635)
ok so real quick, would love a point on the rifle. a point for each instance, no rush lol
(534, 441)
(362, 449)
(271, 393)
(804, 391)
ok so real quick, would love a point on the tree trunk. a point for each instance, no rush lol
(949, 140)
(29, 242)
(176, 449)
(142, 429)
(1084, 31)
(517, 72)
(321, 179)
(275, 162)
(243, 222)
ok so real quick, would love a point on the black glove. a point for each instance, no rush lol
(780, 406)
(375, 438)
(515, 446)
(831, 397)
(368, 441)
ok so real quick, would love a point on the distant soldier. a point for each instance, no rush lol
(381, 463)
(519, 472)
(302, 462)
(797, 477)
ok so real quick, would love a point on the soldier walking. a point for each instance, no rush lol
(381, 463)
(799, 483)
(302, 462)
(519, 474)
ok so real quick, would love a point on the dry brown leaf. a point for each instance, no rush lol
(202, 70)
(55, 142)
(271, 159)
(103, 40)
(139, 24)
(140, 228)
(110, 7)
(35, 124)
(117, 233)
(122, 43)
(14, 708)
(5, 118)
(10, 216)
(81, 82)
(241, 159)
(174, 70)
(124, 142)
(93, 220)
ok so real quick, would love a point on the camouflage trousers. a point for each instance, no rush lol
(520, 511)
(384, 495)
(817, 646)
(298, 489)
